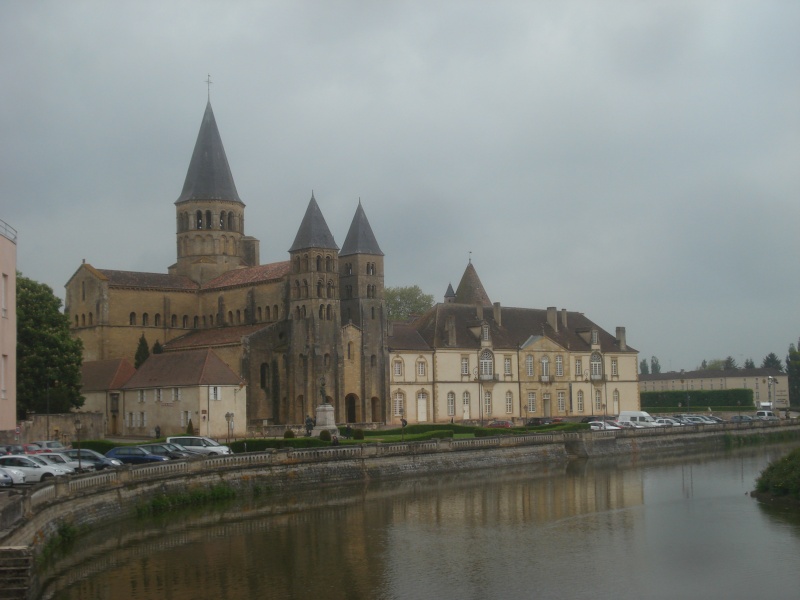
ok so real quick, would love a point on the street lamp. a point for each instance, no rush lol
(78, 431)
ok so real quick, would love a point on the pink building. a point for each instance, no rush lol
(8, 327)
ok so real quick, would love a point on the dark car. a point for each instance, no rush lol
(133, 455)
(97, 460)
(15, 449)
(168, 450)
(742, 419)
(536, 421)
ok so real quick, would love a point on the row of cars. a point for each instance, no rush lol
(39, 461)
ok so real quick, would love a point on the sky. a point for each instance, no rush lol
(638, 162)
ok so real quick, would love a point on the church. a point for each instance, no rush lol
(316, 324)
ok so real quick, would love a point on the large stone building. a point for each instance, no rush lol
(8, 329)
(318, 321)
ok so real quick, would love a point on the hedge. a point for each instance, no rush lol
(698, 399)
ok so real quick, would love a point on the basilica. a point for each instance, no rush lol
(314, 327)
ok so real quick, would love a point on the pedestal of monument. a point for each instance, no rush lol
(325, 420)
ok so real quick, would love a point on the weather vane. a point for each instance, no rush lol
(208, 83)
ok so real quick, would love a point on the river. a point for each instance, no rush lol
(614, 528)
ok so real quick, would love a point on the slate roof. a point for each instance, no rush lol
(161, 281)
(102, 375)
(250, 275)
(470, 289)
(181, 369)
(313, 231)
(360, 239)
(214, 336)
(209, 176)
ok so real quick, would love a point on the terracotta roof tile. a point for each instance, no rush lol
(135, 279)
(216, 336)
(180, 369)
(250, 275)
(102, 375)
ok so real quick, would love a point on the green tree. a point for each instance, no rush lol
(48, 357)
(142, 352)
(749, 364)
(655, 366)
(158, 348)
(644, 368)
(793, 370)
(403, 302)
(730, 364)
(771, 361)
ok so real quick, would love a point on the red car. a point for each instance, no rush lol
(31, 448)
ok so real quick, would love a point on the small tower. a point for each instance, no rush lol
(313, 312)
(363, 305)
(210, 214)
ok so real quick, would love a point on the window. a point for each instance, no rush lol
(485, 332)
(509, 403)
(398, 402)
(186, 321)
(562, 402)
(132, 318)
(186, 416)
(421, 368)
(141, 396)
(145, 320)
(598, 402)
(545, 399)
(507, 365)
(596, 364)
(158, 395)
(3, 375)
(465, 400)
(614, 366)
(464, 365)
(531, 401)
(174, 321)
(176, 394)
(157, 320)
(487, 402)
(616, 399)
(398, 368)
(199, 219)
(142, 419)
(578, 368)
(451, 403)
(559, 366)
(545, 368)
(486, 361)
(529, 365)
(213, 392)
(594, 337)
(580, 401)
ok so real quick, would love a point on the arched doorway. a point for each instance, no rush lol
(350, 404)
(376, 410)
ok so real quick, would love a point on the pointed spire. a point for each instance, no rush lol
(449, 293)
(360, 239)
(470, 289)
(209, 176)
(313, 231)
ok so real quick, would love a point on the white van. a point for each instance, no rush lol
(639, 417)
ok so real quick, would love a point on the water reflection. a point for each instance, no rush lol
(618, 528)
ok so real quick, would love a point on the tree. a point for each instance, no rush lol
(48, 357)
(655, 366)
(771, 361)
(749, 364)
(142, 352)
(793, 370)
(644, 369)
(158, 348)
(730, 364)
(704, 365)
(403, 302)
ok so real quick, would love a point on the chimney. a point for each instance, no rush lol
(451, 330)
(479, 310)
(564, 318)
(552, 317)
(623, 344)
(497, 314)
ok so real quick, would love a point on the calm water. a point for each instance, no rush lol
(613, 529)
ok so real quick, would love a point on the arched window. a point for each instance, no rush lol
(258, 313)
(83, 290)
(397, 368)
(238, 316)
(196, 322)
(275, 313)
(305, 288)
(303, 311)
(199, 219)
(422, 400)
(205, 322)
(559, 366)
(529, 365)
(208, 219)
(509, 403)
(305, 262)
(596, 365)
(373, 313)
(486, 362)
(330, 289)
(231, 222)
(329, 312)
(222, 220)
(349, 349)
(465, 400)
(321, 312)
(83, 320)
(545, 368)
(421, 368)
(580, 401)
(398, 404)
(267, 316)
(319, 263)
(186, 321)
(487, 402)
(451, 403)
(145, 319)
(264, 375)
(157, 320)
(91, 319)
(132, 318)
(328, 264)
(174, 321)
(296, 289)
(320, 289)
(230, 317)
(77, 321)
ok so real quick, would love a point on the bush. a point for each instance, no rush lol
(325, 435)
(288, 434)
(190, 428)
(358, 434)
(781, 478)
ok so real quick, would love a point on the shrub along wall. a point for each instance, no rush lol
(698, 399)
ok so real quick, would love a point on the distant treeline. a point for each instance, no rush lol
(698, 399)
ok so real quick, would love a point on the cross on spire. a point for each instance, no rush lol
(208, 83)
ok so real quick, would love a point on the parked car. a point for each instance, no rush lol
(766, 415)
(198, 443)
(133, 455)
(601, 425)
(668, 422)
(31, 448)
(33, 470)
(536, 421)
(717, 419)
(52, 445)
(97, 460)
(15, 449)
(630, 425)
(60, 459)
(17, 476)
(5, 479)
(50, 462)
(501, 424)
(742, 419)
(168, 450)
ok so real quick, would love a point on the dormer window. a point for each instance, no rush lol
(485, 332)
(594, 337)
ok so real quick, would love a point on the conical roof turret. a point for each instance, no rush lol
(360, 239)
(209, 176)
(313, 231)
(470, 289)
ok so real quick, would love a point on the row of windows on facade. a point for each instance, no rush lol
(689, 385)
(326, 361)
(139, 419)
(328, 264)
(327, 290)
(207, 245)
(173, 394)
(227, 221)
(398, 402)
(327, 313)
(486, 366)
(234, 317)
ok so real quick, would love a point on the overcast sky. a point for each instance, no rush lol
(635, 161)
